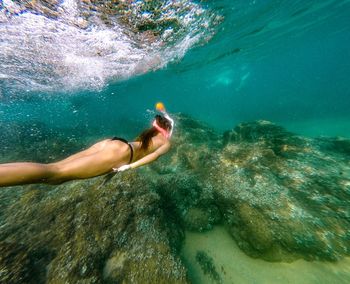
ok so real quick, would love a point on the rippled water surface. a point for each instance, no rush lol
(285, 61)
(78, 71)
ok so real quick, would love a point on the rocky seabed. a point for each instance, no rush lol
(280, 196)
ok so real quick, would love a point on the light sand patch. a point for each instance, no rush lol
(236, 267)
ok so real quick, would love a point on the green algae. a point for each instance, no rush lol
(76, 230)
(207, 265)
(281, 197)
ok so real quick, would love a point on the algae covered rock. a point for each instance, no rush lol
(201, 219)
(279, 195)
(15, 264)
(283, 196)
(182, 179)
(81, 232)
(207, 265)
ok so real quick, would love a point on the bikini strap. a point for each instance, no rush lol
(131, 152)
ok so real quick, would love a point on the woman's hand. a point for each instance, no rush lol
(122, 168)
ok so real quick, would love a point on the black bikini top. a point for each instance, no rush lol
(130, 146)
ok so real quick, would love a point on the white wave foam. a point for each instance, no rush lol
(67, 52)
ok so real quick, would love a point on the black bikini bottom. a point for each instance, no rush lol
(130, 146)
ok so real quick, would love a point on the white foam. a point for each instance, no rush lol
(41, 53)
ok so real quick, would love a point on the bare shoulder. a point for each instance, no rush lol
(163, 147)
(167, 143)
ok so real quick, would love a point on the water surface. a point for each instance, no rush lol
(90, 72)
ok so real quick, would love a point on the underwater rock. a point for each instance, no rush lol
(283, 197)
(336, 145)
(280, 196)
(82, 232)
(201, 219)
(181, 178)
(15, 264)
(256, 131)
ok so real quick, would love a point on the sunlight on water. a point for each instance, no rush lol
(71, 46)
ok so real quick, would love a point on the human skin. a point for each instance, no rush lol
(97, 160)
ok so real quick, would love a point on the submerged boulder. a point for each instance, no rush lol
(284, 196)
(81, 231)
(15, 264)
(279, 195)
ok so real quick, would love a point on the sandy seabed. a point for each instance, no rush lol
(233, 266)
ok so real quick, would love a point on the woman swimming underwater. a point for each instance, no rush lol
(110, 155)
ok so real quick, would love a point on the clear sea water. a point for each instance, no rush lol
(283, 61)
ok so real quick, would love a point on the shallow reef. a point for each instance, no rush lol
(83, 233)
(281, 197)
(285, 196)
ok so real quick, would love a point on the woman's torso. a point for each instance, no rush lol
(157, 141)
(123, 153)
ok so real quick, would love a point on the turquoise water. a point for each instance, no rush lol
(222, 62)
(284, 61)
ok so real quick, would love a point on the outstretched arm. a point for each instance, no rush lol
(146, 159)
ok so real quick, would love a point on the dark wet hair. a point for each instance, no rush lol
(146, 136)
